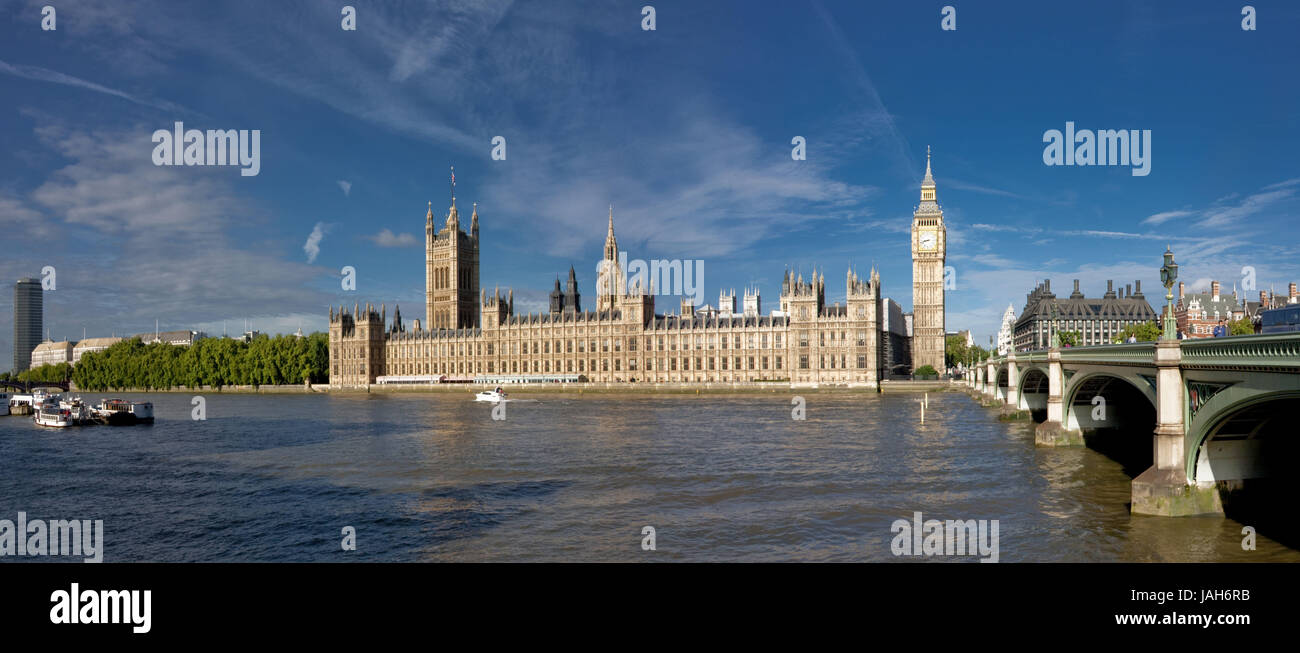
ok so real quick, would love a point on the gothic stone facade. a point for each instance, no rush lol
(807, 343)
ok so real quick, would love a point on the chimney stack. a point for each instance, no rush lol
(1214, 291)
(1128, 290)
(1180, 291)
(1137, 286)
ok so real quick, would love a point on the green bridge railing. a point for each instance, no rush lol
(1274, 352)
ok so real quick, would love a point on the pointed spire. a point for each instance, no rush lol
(611, 221)
(927, 185)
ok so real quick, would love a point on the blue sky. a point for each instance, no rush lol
(685, 129)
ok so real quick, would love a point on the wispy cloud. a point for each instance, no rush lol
(1098, 233)
(1223, 216)
(346, 187)
(1283, 184)
(312, 246)
(1003, 227)
(1232, 208)
(1165, 216)
(977, 188)
(1084, 233)
(386, 238)
(55, 77)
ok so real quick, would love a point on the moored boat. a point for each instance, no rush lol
(118, 412)
(77, 409)
(51, 414)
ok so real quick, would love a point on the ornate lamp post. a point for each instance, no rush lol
(1168, 275)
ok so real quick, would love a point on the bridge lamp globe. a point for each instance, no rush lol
(1169, 273)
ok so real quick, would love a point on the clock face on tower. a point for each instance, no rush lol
(928, 240)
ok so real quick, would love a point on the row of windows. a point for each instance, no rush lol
(672, 343)
(650, 364)
(590, 365)
(442, 278)
(752, 341)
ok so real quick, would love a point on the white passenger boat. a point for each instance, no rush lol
(493, 396)
(51, 414)
(80, 412)
(120, 411)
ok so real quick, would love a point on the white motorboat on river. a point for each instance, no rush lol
(493, 396)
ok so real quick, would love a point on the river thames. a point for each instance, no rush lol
(432, 477)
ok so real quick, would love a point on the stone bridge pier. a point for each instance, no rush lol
(1164, 489)
(1052, 432)
(1012, 406)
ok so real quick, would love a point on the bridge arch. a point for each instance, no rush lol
(1119, 392)
(1003, 380)
(1033, 391)
(1246, 437)
(1245, 453)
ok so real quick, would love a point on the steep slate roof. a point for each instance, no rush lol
(1110, 306)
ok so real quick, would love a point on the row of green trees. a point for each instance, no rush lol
(957, 351)
(215, 362)
(44, 373)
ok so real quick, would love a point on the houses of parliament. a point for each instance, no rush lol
(469, 334)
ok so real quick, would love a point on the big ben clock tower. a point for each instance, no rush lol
(929, 247)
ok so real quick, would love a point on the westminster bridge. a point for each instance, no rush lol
(1221, 411)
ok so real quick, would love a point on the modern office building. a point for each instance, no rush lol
(29, 317)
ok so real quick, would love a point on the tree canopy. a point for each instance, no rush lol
(216, 362)
(1145, 332)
